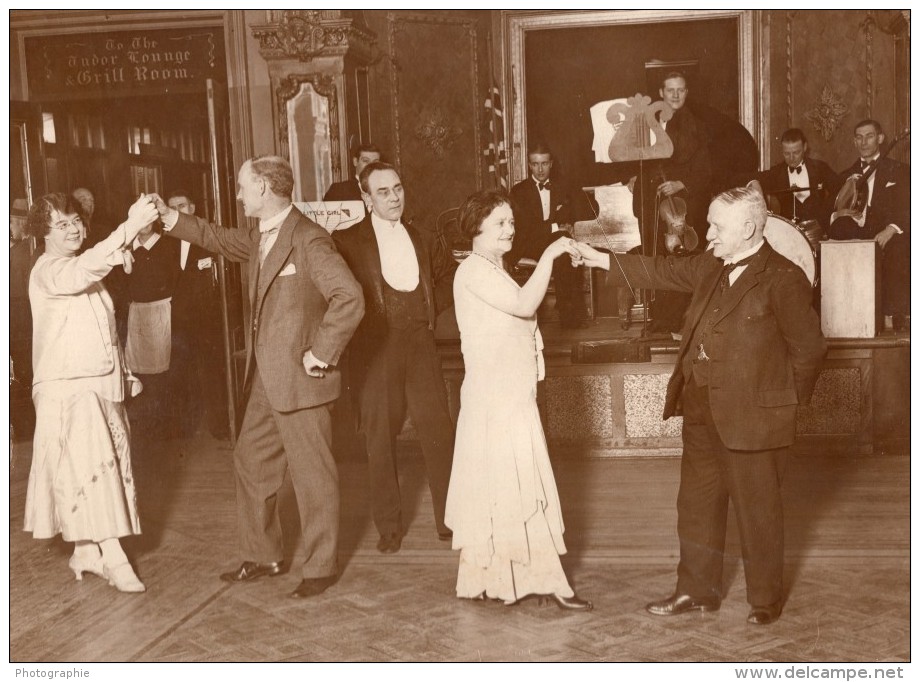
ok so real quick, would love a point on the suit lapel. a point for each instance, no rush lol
(371, 252)
(424, 267)
(254, 267)
(698, 305)
(745, 282)
(279, 253)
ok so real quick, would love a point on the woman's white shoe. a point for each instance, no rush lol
(123, 578)
(81, 566)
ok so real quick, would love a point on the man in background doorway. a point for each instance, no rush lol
(198, 349)
(350, 190)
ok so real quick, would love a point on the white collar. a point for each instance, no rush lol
(383, 224)
(267, 224)
(154, 238)
(744, 254)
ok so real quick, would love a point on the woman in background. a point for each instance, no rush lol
(80, 483)
(502, 503)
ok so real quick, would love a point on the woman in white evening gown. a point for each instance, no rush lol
(502, 503)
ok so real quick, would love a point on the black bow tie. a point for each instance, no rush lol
(543, 185)
(797, 169)
(728, 268)
(863, 164)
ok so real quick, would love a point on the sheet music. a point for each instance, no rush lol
(615, 228)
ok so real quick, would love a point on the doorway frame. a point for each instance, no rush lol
(752, 63)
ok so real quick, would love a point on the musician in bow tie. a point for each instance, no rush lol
(750, 354)
(884, 217)
(686, 175)
(543, 212)
(798, 169)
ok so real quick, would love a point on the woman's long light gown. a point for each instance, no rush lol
(502, 504)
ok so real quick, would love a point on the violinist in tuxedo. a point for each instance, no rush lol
(800, 170)
(543, 212)
(885, 218)
(687, 175)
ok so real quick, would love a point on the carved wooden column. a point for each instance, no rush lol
(318, 48)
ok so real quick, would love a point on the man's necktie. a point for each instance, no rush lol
(797, 169)
(863, 164)
(263, 243)
(728, 268)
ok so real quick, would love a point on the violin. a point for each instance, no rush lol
(854, 195)
(672, 211)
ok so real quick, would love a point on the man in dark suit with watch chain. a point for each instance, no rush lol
(750, 354)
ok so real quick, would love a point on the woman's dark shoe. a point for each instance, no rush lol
(573, 603)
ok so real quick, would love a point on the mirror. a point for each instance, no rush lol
(309, 143)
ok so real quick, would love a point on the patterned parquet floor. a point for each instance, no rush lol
(847, 575)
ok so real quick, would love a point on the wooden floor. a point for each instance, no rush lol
(847, 572)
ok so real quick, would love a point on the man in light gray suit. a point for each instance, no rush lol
(305, 307)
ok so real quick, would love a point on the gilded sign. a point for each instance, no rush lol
(149, 62)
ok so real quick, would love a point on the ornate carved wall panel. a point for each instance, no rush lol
(830, 70)
(435, 105)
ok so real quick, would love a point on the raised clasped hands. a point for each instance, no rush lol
(141, 213)
(162, 207)
(589, 256)
(561, 246)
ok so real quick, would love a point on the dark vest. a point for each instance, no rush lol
(405, 309)
(695, 362)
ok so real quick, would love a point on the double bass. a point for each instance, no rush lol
(639, 136)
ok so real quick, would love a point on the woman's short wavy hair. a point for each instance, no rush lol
(38, 222)
(477, 208)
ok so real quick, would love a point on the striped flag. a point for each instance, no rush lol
(495, 151)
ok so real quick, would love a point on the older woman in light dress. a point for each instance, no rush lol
(502, 503)
(81, 484)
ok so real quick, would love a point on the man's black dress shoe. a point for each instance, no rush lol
(389, 543)
(764, 615)
(677, 604)
(250, 570)
(310, 587)
(446, 537)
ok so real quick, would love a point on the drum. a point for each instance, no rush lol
(789, 240)
(813, 232)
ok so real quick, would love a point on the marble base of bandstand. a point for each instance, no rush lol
(861, 403)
